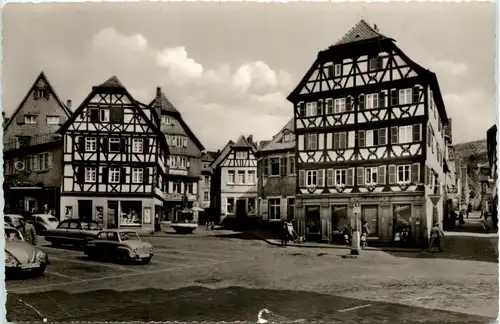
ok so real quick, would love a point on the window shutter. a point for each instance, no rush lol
(81, 144)
(184, 141)
(266, 167)
(94, 115)
(20, 119)
(394, 98)
(348, 103)
(145, 176)
(80, 175)
(105, 175)
(381, 99)
(145, 145)
(361, 102)
(394, 135)
(361, 138)
(321, 178)
(415, 173)
(122, 175)
(36, 165)
(416, 94)
(361, 176)
(329, 178)
(259, 169)
(105, 145)
(416, 133)
(123, 145)
(392, 174)
(302, 178)
(350, 177)
(49, 160)
(381, 174)
(330, 71)
(336, 140)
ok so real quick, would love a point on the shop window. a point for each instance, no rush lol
(131, 213)
(313, 220)
(230, 206)
(251, 205)
(401, 217)
(274, 209)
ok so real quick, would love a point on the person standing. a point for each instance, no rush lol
(461, 221)
(364, 233)
(27, 231)
(284, 234)
(436, 238)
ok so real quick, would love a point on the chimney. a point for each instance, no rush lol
(68, 104)
(218, 151)
(375, 27)
(158, 101)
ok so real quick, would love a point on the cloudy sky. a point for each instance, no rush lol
(228, 67)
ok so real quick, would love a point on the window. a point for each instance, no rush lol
(311, 109)
(206, 196)
(416, 133)
(178, 162)
(90, 144)
(286, 138)
(376, 137)
(137, 175)
(166, 120)
(312, 141)
(339, 105)
(405, 96)
(230, 206)
(137, 145)
(52, 120)
(241, 155)
(311, 179)
(404, 173)
(274, 209)
(251, 205)
(406, 134)
(104, 115)
(375, 63)
(114, 145)
(114, 175)
(275, 166)
(30, 119)
(90, 175)
(44, 161)
(372, 101)
(340, 140)
(176, 187)
(29, 163)
(371, 175)
(431, 100)
(338, 69)
(184, 141)
(251, 177)
(291, 160)
(241, 177)
(190, 188)
(231, 176)
(329, 106)
(340, 177)
(302, 109)
(206, 179)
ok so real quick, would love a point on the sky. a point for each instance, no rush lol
(228, 67)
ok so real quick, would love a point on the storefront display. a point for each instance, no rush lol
(68, 213)
(113, 214)
(99, 215)
(402, 217)
(131, 213)
(313, 223)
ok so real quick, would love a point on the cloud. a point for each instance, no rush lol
(448, 67)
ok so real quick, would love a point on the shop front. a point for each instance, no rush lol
(322, 217)
(31, 199)
(137, 214)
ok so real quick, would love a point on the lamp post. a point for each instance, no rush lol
(355, 244)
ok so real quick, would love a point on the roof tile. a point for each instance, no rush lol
(361, 31)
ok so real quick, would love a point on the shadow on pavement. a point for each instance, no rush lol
(228, 304)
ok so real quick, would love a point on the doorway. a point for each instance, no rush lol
(85, 210)
(241, 208)
(339, 221)
(370, 215)
(313, 223)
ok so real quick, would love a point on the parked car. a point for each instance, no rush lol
(21, 257)
(12, 220)
(76, 232)
(121, 245)
(42, 222)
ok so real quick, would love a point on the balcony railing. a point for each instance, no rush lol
(27, 141)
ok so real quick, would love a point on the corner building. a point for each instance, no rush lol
(369, 125)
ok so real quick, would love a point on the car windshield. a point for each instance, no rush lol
(129, 236)
(12, 235)
(90, 226)
(52, 219)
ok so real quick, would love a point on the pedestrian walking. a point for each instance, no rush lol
(461, 219)
(364, 234)
(436, 238)
(284, 234)
(27, 231)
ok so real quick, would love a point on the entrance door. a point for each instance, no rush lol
(241, 210)
(291, 210)
(313, 223)
(85, 209)
(370, 215)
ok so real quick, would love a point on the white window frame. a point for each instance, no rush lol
(339, 173)
(241, 176)
(339, 105)
(137, 175)
(90, 175)
(286, 138)
(309, 142)
(275, 205)
(338, 70)
(329, 106)
(52, 120)
(104, 115)
(113, 140)
(231, 176)
(184, 141)
(405, 96)
(206, 195)
(30, 119)
(405, 134)
(403, 166)
(138, 145)
(233, 204)
(114, 175)
(251, 177)
(370, 173)
(311, 109)
(371, 101)
(166, 120)
(90, 144)
(206, 179)
(311, 178)
(241, 155)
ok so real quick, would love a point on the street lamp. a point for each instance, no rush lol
(355, 244)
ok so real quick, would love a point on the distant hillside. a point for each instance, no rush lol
(464, 150)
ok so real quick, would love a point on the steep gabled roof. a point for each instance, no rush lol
(209, 156)
(242, 143)
(361, 31)
(41, 76)
(112, 82)
(223, 153)
(276, 144)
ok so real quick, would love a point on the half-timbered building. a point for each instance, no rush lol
(184, 161)
(276, 176)
(234, 184)
(369, 125)
(114, 160)
(33, 151)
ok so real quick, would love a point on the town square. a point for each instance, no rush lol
(199, 162)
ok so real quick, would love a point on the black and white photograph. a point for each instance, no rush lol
(251, 162)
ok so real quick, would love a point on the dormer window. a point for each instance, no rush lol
(30, 119)
(167, 120)
(52, 120)
(286, 138)
(241, 155)
(40, 93)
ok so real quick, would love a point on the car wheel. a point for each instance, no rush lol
(146, 260)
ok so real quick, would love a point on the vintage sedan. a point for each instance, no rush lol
(75, 232)
(21, 257)
(121, 245)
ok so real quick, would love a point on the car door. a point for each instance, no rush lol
(60, 233)
(74, 231)
(111, 244)
(100, 244)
